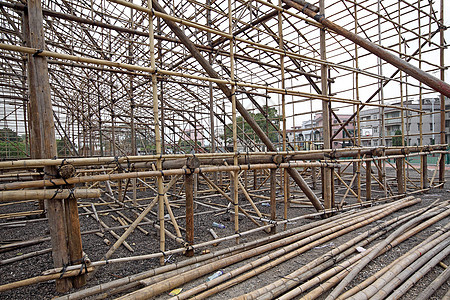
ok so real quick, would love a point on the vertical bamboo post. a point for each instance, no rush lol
(358, 119)
(273, 200)
(368, 180)
(210, 87)
(399, 162)
(188, 186)
(326, 183)
(162, 234)
(424, 171)
(442, 98)
(314, 177)
(74, 237)
(233, 107)
(132, 107)
(283, 111)
(43, 132)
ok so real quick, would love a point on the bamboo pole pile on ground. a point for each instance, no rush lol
(326, 271)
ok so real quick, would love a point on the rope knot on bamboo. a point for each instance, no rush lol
(39, 51)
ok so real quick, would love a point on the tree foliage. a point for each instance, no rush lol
(11, 144)
(246, 133)
(397, 139)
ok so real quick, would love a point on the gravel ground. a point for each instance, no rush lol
(95, 248)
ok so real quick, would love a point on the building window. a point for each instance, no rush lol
(431, 126)
(375, 129)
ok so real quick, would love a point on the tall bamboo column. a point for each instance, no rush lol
(210, 87)
(132, 108)
(283, 112)
(189, 191)
(368, 180)
(358, 123)
(233, 107)
(442, 98)
(273, 199)
(162, 236)
(401, 178)
(326, 183)
(43, 132)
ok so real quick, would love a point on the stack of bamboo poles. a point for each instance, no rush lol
(316, 277)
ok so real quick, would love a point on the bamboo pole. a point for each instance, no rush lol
(434, 285)
(140, 276)
(112, 177)
(419, 274)
(56, 194)
(188, 184)
(25, 256)
(371, 279)
(42, 278)
(438, 250)
(364, 261)
(365, 286)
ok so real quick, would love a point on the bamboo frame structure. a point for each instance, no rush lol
(143, 108)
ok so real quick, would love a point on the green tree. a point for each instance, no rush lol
(246, 133)
(11, 144)
(397, 139)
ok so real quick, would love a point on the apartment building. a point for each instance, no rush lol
(371, 131)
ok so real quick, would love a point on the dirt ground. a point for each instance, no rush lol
(95, 248)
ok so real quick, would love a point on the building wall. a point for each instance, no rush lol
(371, 123)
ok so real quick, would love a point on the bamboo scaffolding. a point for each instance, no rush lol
(217, 68)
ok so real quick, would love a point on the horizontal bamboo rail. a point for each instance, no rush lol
(215, 158)
(120, 176)
(6, 196)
